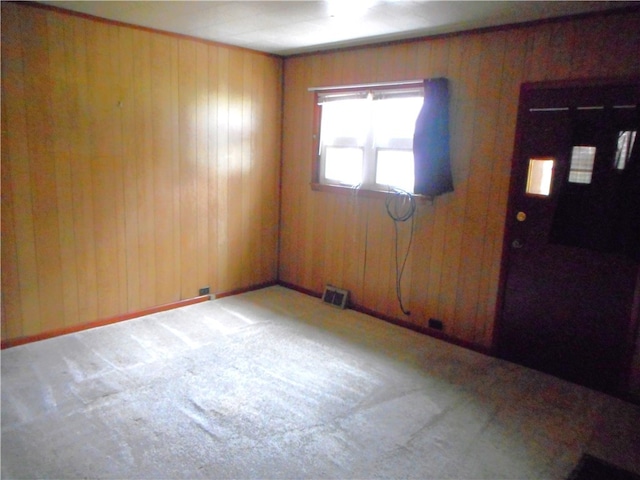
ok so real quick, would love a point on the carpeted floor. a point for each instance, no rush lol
(274, 384)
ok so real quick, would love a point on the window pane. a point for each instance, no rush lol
(582, 159)
(625, 146)
(540, 176)
(394, 120)
(343, 165)
(395, 168)
(347, 120)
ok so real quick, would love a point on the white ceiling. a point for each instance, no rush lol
(289, 27)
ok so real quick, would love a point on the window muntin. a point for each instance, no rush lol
(378, 122)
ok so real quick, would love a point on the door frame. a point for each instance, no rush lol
(633, 332)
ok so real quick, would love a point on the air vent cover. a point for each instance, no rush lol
(335, 296)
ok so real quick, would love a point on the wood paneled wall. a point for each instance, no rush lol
(137, 167)
(453, 270)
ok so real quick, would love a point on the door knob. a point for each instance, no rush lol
(517, 244)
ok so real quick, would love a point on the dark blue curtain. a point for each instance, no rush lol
(431, 141)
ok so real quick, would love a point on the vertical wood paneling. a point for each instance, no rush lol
(212, 129)
(43, 188)
(102, 108)
(187, 140)
(223, 166)
(10, 282)
(130, 170)
(165, 168)
(234, 158)
(201, 274)
(82, 185)
(477, 205)
(246, 269)
(135, 169)
(269, 89)
(455, 260)
(464, 61)
(291, 199)
(59, 126)
(118, 167)
(172, 165)
(147, 100)
(19, 279)
(307, 199)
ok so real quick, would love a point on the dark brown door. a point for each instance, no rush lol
(572, 242)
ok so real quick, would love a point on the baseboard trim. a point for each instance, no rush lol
(14, 342)
(399, 322)
(183, 303)
(238, 291)
(306, 291)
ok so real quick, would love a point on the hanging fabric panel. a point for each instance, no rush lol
(431, 141)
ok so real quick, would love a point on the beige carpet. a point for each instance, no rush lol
(274, 384)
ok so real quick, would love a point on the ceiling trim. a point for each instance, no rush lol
(473, 31)
(118, 23)
(325, 49)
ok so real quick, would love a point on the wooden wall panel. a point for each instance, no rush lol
(19, 285)
(165, 168)
(80, 150)
(137, 167)
(453, 269)
(42, 179)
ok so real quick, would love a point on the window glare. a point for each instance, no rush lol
(343, 165)
(396, 118)
(348, 118)
(395, 169)
(368, 141)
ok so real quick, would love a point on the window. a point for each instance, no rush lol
(366, 136)
(582, 159)
(626, 139)
(540, 176)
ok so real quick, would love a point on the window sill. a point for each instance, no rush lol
(360, 192)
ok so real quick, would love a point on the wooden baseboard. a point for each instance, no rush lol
(183, 303)
(292, 286)
(14, 342)
(251, 288)
(401, 323)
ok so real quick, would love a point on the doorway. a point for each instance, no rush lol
(570, 277)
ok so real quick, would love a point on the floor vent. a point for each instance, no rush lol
(335, 296)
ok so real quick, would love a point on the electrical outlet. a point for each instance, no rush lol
(204, 291)
(435, 324)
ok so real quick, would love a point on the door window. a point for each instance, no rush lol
(626, 139)
(581, 168)
(540, 176)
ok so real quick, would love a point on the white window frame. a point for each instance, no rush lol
(368, 143)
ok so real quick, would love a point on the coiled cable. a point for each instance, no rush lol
(401, 206)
